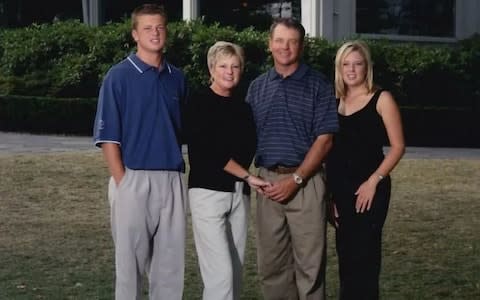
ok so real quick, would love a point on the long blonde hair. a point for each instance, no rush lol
(347, 48)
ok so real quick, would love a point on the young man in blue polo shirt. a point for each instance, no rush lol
(295, 115)
(137, 126)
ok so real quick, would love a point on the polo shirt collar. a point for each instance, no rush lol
(141, 66)
(297, 75)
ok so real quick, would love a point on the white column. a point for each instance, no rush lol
(92, 12)
(317, 18)
(191, 9)
(85, 11)
(310, 16)
(96, 13)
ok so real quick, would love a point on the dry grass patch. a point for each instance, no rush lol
(55, 239)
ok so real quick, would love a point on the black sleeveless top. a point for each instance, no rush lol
(357, 147)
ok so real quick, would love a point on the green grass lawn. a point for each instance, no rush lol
(55, 238)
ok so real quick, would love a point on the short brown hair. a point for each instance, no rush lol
(289, 23)
(148, 9)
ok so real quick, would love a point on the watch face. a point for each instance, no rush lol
(298, 179)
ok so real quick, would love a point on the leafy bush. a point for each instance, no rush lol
(203, 37)
(64, 59)
(69, 59)
(320, 54)
(30, 49)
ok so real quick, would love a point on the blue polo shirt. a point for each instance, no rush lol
(290, 113)
(139, 108)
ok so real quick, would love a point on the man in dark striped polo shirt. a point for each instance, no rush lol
(295, 114)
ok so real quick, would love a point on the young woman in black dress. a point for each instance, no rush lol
(358, 171)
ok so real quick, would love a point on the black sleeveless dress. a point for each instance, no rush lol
(356, 153)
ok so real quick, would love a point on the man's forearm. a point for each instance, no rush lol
(315, 156)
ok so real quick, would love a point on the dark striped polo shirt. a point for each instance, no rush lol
(290, 113)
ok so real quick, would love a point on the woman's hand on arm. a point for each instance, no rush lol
(257, 183)
(237, 170)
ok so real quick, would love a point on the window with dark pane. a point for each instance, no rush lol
(406, 17)
(245, 13)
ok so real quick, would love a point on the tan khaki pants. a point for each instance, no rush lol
(291, 242)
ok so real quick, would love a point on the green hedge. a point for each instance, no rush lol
(47, 115)
(441, 127)
(429, 126)
(69, 59)
(63, 59)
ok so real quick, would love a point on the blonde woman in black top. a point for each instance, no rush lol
(221, 145)
(358, 171)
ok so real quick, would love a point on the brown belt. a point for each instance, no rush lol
(283, 170)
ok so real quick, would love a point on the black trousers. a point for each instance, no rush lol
(359, 243)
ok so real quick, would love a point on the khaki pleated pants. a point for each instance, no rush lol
(291, 238)
(148, 228)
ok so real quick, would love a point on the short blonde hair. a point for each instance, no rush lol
(347, 48)
(222, 48)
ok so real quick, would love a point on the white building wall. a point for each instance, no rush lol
(327, 16)
(467, 21)
(335, 19)
(344, 19)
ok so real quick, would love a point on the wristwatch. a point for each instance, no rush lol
(298, 180)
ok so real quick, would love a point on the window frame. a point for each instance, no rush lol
(411, 38)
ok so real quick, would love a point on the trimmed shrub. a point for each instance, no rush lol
(69, 59)
(47, 115)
